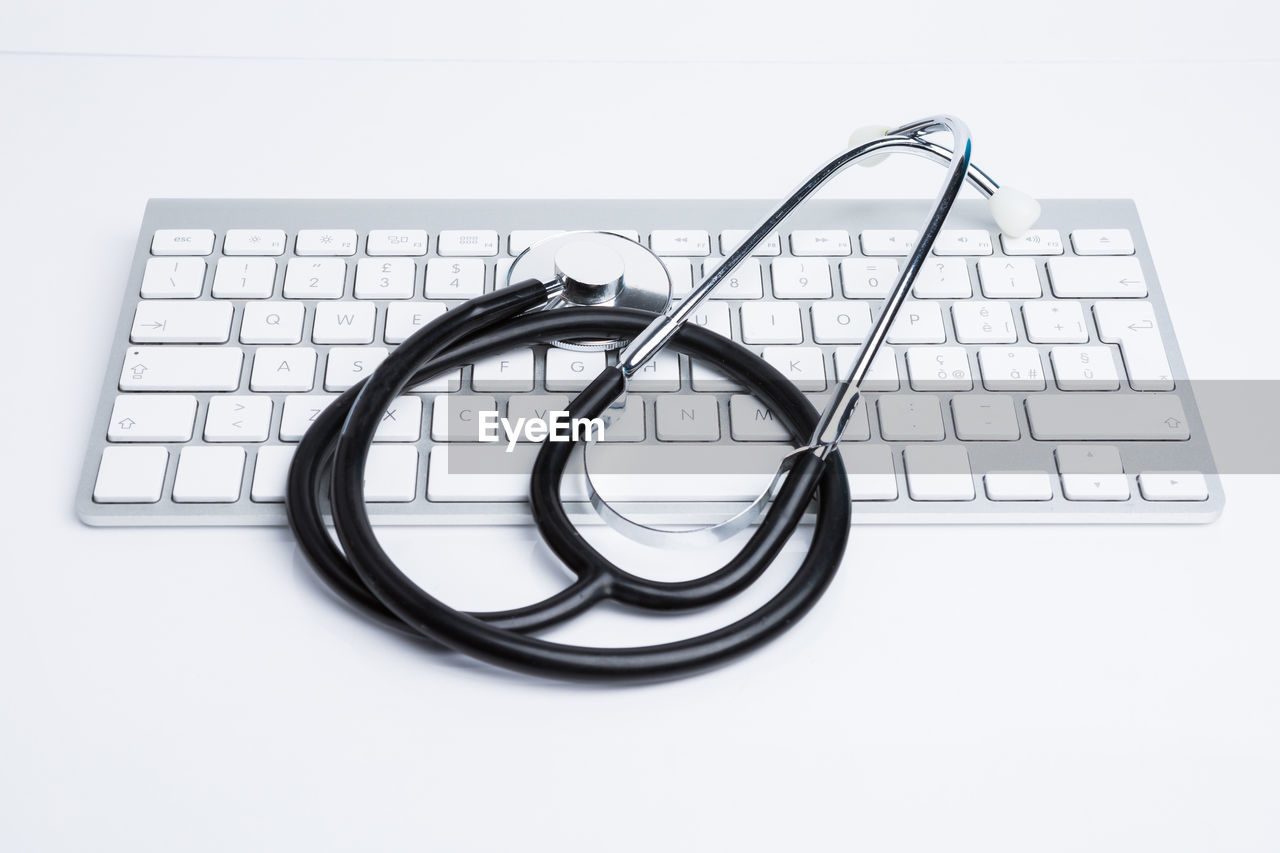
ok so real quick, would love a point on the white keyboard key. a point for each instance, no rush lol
(939, 369)
(283, 369)
(300, 412)
(985, 417)
(1097, 277)
(1009, 278)
(508, 371)
(181, 322)
(173, 278)
(403, 242)
(152, 417)
(918, 323)
(870, 472)
(943, 279)
(938, 473)
(319, 278)
(326, 241)
(1133, 326)
(476, 243)
(385, 278)
(984, 322)
(254, 241)
(572, 371)
(771, 323)
(271, 474)
(272, 323)
(804, 366)
(240, 417)
(688, 417)
(405, 318)
(751, 420)
(182, 241)
(244, 278)
(131, 475)
(1173, 486)
(1084, 369)
(1095, 487)
(179, 368)
(209, 475)
(744, 282)
(796, 278)
(1019, 486)
(521, 240)
(344, 323)
(1055, 322)
(840, 322)
(460, 278)
(660, 373)
(486, 472)
(1102, 241)
(958, 241)
(1011, 368)
(713, 316)
(882, 375)
(910, 417)
(688, 242)
(888, 242)
(681, 272)
(821, 242)
(402, 421)
(346, 366)
(1039, 241)
(868, 278)
(457, 418)
(730, 238)
(1107, 417)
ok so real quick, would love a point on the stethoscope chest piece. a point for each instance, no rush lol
(596, 268)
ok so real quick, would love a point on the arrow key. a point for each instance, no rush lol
(241, 417)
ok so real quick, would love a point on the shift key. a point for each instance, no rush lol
(170, 368)
(1108, 417)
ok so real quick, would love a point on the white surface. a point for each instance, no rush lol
(1045, 689)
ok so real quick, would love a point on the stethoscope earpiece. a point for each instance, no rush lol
(1014, 211)
(870, 133)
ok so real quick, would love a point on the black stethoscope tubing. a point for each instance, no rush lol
(359, 570)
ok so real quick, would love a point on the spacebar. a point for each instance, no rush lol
(622, 472)
(1108, 417)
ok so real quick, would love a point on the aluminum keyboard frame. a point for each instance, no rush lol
(644, 216)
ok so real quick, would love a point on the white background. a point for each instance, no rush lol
(986, 689)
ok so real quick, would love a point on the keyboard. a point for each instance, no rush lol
(1027, 380)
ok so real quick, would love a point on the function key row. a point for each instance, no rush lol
(344, 242)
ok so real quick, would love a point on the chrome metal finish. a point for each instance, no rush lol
(596, 268)
(905, 139)
(591, 273)
(686, 536)
(844, 400)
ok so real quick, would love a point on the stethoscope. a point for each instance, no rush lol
(606, 289)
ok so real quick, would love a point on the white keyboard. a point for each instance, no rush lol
(1035, 379)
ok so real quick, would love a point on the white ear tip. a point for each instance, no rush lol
(1014, 211)
(870, 133)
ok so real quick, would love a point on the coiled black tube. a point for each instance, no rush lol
(362, 573)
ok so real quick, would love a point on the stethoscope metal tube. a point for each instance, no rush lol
(843, 401)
